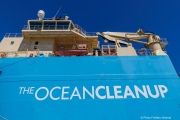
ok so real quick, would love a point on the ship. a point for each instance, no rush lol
(55, 70)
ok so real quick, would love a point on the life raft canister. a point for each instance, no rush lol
(41, 55)
(31, 55)
(3, 55)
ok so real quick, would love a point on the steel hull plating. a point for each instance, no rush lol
(89, 88)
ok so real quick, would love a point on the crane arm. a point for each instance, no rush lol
(133, 37)
(153, 41)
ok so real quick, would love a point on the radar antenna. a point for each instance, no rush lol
(41, 14)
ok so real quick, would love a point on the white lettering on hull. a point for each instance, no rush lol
(98, 92)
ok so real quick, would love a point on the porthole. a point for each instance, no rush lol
(12, 42)
(36, 43)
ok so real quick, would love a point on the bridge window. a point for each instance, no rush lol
(62, 25)
(35, 25)
(49, 25)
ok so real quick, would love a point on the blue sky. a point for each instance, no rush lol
(159, 16)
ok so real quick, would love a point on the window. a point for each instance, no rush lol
(123, 45)
(36, 43)
(62, 25)
(12, 42)
(49, 25)
(35, 25)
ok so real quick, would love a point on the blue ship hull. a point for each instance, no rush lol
(89, 88)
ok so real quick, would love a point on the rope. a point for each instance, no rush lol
(32, 62)
(15, 63)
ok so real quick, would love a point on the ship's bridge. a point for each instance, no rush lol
(62, 31)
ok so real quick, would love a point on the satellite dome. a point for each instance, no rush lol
(41, 14)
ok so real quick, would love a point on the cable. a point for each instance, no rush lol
(15, 62)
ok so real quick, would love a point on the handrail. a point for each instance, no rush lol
(13, 35)
(25, 53)
(91, 34)
(81, 29)
(111, 50)
(46, 27)
(77, 29)
(37, 53)
(45, 19)
(107, 50)
(143, 52)
(163, 40)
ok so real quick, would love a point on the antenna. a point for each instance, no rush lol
(59, 9)
(41, 14)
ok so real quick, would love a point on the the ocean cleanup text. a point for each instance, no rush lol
(95, 92)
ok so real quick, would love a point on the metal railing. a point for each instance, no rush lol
(107, 50)
(8, 54)
(82, 31)
(25, 27)
(77, 29)
(91, 34)
(46, 27)
(111, 50)
(143, 52)
(37, 53)
(45, 19)
(13, 35)
(163, 42)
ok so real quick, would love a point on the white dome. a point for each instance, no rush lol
(41, 14)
